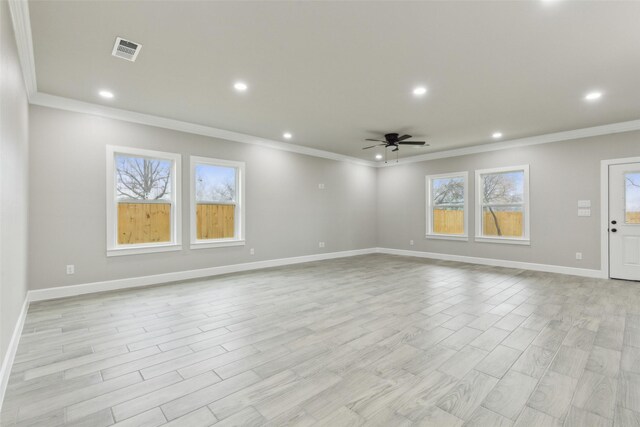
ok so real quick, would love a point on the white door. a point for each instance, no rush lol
(624, 221)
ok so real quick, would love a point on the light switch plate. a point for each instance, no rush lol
(584, 212)
(584, 203)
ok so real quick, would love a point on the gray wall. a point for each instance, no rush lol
(13, 182)
(286, 214)
(560, 175)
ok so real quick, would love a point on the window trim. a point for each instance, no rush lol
(525, 239)
(429, 225)
(115, 249)
(239, 239)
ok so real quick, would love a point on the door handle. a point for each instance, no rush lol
(613, 230)
(614, 222)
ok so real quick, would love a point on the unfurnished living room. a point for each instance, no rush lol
(319, 213)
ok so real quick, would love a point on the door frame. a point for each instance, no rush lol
(604, 210)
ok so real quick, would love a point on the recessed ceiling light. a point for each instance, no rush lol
(106, 94)
(419, 91)
(287, 135)
(378, 156)
(497, 135)
(592, 96)
(240, 86)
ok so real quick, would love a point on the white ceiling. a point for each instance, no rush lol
(334, 73)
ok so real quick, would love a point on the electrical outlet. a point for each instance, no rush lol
(411, 242)
(578, 255)
(71, 269)
(321, 186)
(252, 251)
(321, 244)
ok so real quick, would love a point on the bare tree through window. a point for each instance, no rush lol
(447, 205)
(139, 178)
(215, 184)
(499, 188)
(448, 191)
(144, 197)
(215, 191)
(215, 201)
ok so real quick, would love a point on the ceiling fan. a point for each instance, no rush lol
(393, 140)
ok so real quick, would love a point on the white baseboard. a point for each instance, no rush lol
(7, 362)
(134, 282)
(584, 272)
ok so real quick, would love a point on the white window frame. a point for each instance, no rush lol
(115, 249)
(239, 220)
(430, 234)
(525, 239)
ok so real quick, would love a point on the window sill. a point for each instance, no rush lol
(205, 244)
(455, 237)
(503, 240)
(138, 250)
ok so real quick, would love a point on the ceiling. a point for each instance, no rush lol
(335, 73)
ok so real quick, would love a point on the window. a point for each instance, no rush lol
(502, 205)
(217, 203)
(632, 197)
(143, 200)
(447, 206)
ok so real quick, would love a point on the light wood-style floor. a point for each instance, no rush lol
(372, 340)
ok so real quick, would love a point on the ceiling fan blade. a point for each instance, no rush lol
(371, 146)
(412, 143)
(403, 137)
(374, 140)
(396, 149)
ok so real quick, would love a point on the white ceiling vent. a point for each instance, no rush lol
(126, 49)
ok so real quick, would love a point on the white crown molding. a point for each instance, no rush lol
(68, 104)
(19, 10)
(523, 142)
(22, 25)
(559, 269)
(24, 42)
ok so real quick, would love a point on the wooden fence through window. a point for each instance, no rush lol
(143, 223)
(215, 221)
(151, 222)
(633, 218)
(452, 222)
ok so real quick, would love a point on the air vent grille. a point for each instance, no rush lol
(126, 49)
